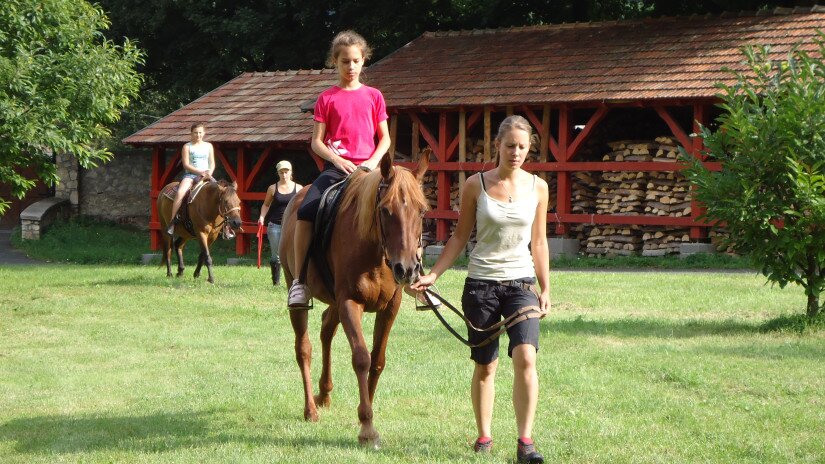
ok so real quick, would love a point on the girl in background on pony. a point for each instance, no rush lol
(348, 117)
(198, 158)
(508, 208)
(272, 213)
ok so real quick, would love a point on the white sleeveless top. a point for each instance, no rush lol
(503, 231)
(199, 156)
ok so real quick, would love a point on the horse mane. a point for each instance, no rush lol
(403, 189)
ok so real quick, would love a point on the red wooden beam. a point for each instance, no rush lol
(470, 122)
(564, 185)
(242, 240)
(680, 135)
(594, 120)
(170, 170)
(257, 168)
(646, 166)
(551, 142)
(428, 136)
(226, 165)
(155, 184)
(642, 220)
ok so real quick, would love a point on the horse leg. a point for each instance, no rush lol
(380, 334)
(201, 259)
(202, 238)
(350, 315)
(303, 355)
(167, 254)
(329, 326)
(179, 242)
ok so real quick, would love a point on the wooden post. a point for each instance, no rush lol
(487, 129)
(393, 133)
(442, 230)
(416, 146)
(509, 110)
(462, 149)
(564, 186)
(158, 166)
(699, 116)
(242, 240)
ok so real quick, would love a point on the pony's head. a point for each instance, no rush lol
(390, 207)
(229, 207)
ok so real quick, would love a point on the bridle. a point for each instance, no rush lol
(225, 214)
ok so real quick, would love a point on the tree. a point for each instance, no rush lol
(770, 193)
(61, 83)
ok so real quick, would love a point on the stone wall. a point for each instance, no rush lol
(69, 173)
(118, 190)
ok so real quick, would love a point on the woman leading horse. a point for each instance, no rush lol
(373, 253)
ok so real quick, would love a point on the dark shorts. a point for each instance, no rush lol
(328, 177)
(486, 302)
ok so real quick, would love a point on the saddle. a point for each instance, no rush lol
(171, 190)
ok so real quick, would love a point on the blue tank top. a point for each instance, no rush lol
(199, 156)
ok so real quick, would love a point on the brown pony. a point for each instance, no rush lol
(215, 210)
(373, 252)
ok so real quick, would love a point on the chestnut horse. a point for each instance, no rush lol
(215, 210)
(373, 253)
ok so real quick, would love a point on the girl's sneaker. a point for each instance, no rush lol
(483, 445)
(526, 453)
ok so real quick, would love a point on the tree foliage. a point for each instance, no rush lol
(770, 193)
(61, 83)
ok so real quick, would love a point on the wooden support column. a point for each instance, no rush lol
(442, 229)
(564, 186)
(393, 133)
(158, 164)
(462, 149)
(242, 240)
(699, 117)
(487, 136)
(415, 141)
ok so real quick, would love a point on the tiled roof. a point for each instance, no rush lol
(663, 58)
(673, 57)
(253, 107)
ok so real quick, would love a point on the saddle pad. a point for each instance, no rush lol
(170, 190)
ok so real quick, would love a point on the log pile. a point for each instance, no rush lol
(613, 240)
(661, 241)
(584, 190)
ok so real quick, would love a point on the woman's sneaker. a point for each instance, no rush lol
(526, 453)
(298, 295)
(483, 445)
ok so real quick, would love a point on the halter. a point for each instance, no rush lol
(225, 214)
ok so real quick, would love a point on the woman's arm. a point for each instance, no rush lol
(320, 148)
(208, 173)
(270, 194)
(381, 148)
(538, 245)
(455, 245)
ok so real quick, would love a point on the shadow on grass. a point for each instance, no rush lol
(57, 434)
(648, 328)
(654, 328)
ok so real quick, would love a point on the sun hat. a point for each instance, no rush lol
(283, 164)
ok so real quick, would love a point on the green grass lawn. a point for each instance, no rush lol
(121, 364)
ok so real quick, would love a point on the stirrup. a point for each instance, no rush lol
(297, 296)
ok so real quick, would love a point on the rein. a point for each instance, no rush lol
(527, 312)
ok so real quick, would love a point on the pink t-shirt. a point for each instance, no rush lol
(352, 118)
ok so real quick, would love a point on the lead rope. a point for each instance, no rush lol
(527, 312)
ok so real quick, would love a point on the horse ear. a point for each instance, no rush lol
(423, 164)
(386, 165)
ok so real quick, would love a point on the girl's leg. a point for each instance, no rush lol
(483, 391)
(298, 296)
(184, 185)
(525, 388)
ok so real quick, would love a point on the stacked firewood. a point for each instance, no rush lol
(585, 188)
(613, 240)
(668, 194)
(717, 237)
(661, 241)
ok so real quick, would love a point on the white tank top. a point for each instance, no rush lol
(503, 231)
(199, 156)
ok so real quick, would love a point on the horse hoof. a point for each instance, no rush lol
(322, 400)
(311, 416)
(367, 442)
(210, 280)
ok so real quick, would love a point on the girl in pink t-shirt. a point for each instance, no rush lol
(348, 118)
